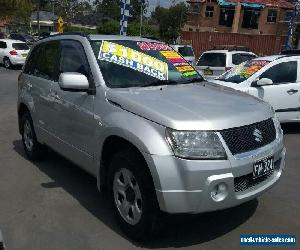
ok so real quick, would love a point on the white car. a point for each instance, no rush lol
(214, 63)
(275, 79)
(187, 52)
(13, 52)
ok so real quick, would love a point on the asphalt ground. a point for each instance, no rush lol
(55, 205)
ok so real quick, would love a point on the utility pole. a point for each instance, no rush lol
(38, 18)
(291, 31)
(141, 21)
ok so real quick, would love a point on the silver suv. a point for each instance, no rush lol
(134, 114)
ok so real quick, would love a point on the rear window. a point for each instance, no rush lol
(186, 51)
(241, 57)
(20, 46)
(212, 60)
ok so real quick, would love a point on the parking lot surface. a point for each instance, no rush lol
(53, 204)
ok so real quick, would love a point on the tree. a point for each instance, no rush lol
(170, 20)
(69, 9)
(109, 8)
(16, 8)
(135, 9)
(111, 27)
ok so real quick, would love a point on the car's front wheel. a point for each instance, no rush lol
(32, 147)
(7, 63)
(132, 195)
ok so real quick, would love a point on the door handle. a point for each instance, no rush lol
(55, 96)
(292, 91)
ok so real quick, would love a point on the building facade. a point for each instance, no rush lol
(257, 17)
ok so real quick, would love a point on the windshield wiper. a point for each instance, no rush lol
(160, 83)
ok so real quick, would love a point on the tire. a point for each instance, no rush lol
(7, 63)
(32, 147)
(134, 202)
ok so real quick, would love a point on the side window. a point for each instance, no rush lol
(47, 62)
(285, 72)
(239, 58)
(43, 61)
(3, 45)
(32, 60)
(73, 58)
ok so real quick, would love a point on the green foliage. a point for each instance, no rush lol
(16, 8)
(109, 28)
(110, 8)
(135, 9)
(170, 20)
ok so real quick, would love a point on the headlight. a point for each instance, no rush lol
(195, 144)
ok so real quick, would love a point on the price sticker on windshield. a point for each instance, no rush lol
(130, 58)
(179, 62)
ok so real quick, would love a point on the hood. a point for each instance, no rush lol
(192, 106)
(227, 84)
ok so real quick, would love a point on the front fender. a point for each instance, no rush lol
(148, 137)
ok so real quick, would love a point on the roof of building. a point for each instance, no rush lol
(44, 16)
(273, 3)
(4, 22)
(255, 3)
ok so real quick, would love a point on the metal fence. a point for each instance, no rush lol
(259, 44)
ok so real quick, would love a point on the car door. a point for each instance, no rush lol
(76, 109)
(39, 77)
(284, 93)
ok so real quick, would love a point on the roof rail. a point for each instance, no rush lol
(291, 52)
(230, 48)
(70, 34)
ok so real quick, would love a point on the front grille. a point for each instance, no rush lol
(245, 182)
(251, 137)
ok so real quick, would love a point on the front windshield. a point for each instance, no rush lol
(243, 71)
(125, 64)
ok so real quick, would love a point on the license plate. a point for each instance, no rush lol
(208, 72)
(263, 167)
(24, 55)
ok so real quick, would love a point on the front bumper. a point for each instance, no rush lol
(186, 186)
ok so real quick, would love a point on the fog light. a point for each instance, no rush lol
(219, 192)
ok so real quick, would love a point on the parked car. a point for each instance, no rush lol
(28, 39)
(13, 52)
(214, 63)
(132, 112)
(187, 52)
(275, 79)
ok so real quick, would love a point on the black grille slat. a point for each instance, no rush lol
(241, 140)
(245, 182)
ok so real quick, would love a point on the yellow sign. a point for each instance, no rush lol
(60, 25)
(130, 58)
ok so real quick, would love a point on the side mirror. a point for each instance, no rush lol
(264, 82)
(74, 82)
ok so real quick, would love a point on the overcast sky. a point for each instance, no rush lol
(163, 3)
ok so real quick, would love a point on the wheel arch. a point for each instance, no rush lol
(111, 145)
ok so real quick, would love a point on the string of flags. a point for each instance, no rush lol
(124, 17)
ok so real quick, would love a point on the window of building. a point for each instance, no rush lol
(194, 8)
(250, 19)
(288, 16)
(209, 11)
(272, 16)
(226, 16)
